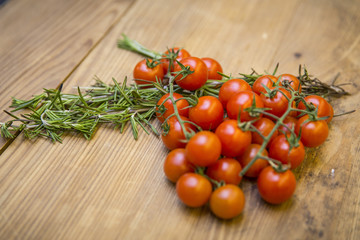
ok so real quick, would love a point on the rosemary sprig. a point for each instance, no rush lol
(312, 85)
(53, 113)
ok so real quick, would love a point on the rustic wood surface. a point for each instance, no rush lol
(42, 42)
(113, 187)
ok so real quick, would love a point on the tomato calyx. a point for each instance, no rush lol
(161, 109)
(185, 71)
(166, 127)
(188, 133)
(292, 139)
(278, 166)
(311, 109)
(312, 113)
(216, 184)
(193, 100)
(254, 111)
(153, 63)
(171, 56)
(245, 126)
(270, 93)
(287, 84)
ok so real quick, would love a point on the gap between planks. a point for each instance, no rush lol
(102, 37)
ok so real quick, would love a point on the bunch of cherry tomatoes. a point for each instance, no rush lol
(241, 130)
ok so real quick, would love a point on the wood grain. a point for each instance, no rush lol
(41, 42)
(113, 187)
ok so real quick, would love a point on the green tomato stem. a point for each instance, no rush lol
(279, 122)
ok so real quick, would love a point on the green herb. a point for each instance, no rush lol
(53, 112)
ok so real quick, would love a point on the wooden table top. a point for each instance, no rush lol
(113, 187)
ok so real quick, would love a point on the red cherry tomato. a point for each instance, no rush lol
(264, 126)
(182, 106)
(277, 103)
(290, 122)
(258, 165)
(175, 137)
(313, 133)
(213, 67)
(181, 54)
(143, 72)
(291, 79)
(267, 80)
(208, 113)
(227, 201)
(193, 190)
(203, 149)
(279, 150)
(176, 165)
(194, 80)
(276, 187)
(233, 140)
(323, 107)
(230, 88)
(226, 169)
(239, 102)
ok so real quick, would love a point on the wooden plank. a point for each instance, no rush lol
(41, 42)
(113, 187)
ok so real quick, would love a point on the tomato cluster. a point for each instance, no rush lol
(258, 130)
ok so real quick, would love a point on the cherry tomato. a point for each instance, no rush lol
(239, 102)
(279, 150)
(276, 187)
(213, 67)
(233, 140)
(182, 53)
(208, 113)
(313, 133)
(194, 80)
(230, 88)
(182, 106)
(203, 149)
(193, 189)
(176, 165)
(291, 79)
(323, 107)
(277, 103)
(227, 201)
(267, 80)
(290, 122)
(175, 137)
(258, 165)
(226, 169)
(264, 126)
(143, 72)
